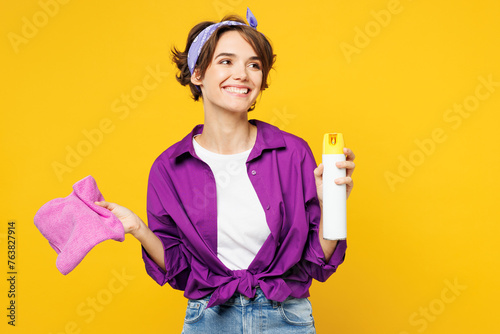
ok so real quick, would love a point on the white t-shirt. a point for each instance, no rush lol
(241, 222)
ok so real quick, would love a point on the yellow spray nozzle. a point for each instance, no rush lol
(333, 143)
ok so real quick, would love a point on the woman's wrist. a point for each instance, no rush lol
(140, 230)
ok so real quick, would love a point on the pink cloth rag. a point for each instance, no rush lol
(73, 225)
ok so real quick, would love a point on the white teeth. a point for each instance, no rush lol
(237, 90)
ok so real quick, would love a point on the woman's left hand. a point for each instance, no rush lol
(347, 180)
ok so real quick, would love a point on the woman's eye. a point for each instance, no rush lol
(255, 65)
(225, 61)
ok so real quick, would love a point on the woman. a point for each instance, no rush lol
(234, 208)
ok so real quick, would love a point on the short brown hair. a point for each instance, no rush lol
(257, 40)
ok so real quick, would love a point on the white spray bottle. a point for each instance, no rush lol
(334, 195)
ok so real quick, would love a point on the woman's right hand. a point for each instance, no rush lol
(131, 222)
(134, 225)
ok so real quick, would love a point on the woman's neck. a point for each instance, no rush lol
(227, 135)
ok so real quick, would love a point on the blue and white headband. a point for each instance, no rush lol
(202, 38)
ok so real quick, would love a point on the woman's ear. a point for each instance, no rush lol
(196, 77)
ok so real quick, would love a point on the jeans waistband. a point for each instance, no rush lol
(240, 299)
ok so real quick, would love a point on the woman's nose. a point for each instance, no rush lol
(240, 72)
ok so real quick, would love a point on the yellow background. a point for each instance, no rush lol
(411, 232)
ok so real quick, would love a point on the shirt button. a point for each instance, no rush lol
(267, 208)
(254, 172)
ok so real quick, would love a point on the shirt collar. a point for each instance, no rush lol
(268, 137)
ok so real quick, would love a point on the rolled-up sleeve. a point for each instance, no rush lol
(177, 267)
(313, 259)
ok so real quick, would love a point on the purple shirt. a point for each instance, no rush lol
(182, 212)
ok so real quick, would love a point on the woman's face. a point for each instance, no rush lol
(233, 79)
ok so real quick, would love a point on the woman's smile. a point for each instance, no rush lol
(237, 90)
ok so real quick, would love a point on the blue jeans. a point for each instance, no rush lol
(245, 315)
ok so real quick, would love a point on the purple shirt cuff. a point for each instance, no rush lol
(317, 266)
(176, 268)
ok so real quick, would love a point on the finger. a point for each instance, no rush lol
(106, 205)
(345, 164)
(349, 154)
(344, 180)
(318, 171)
(348, 165)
